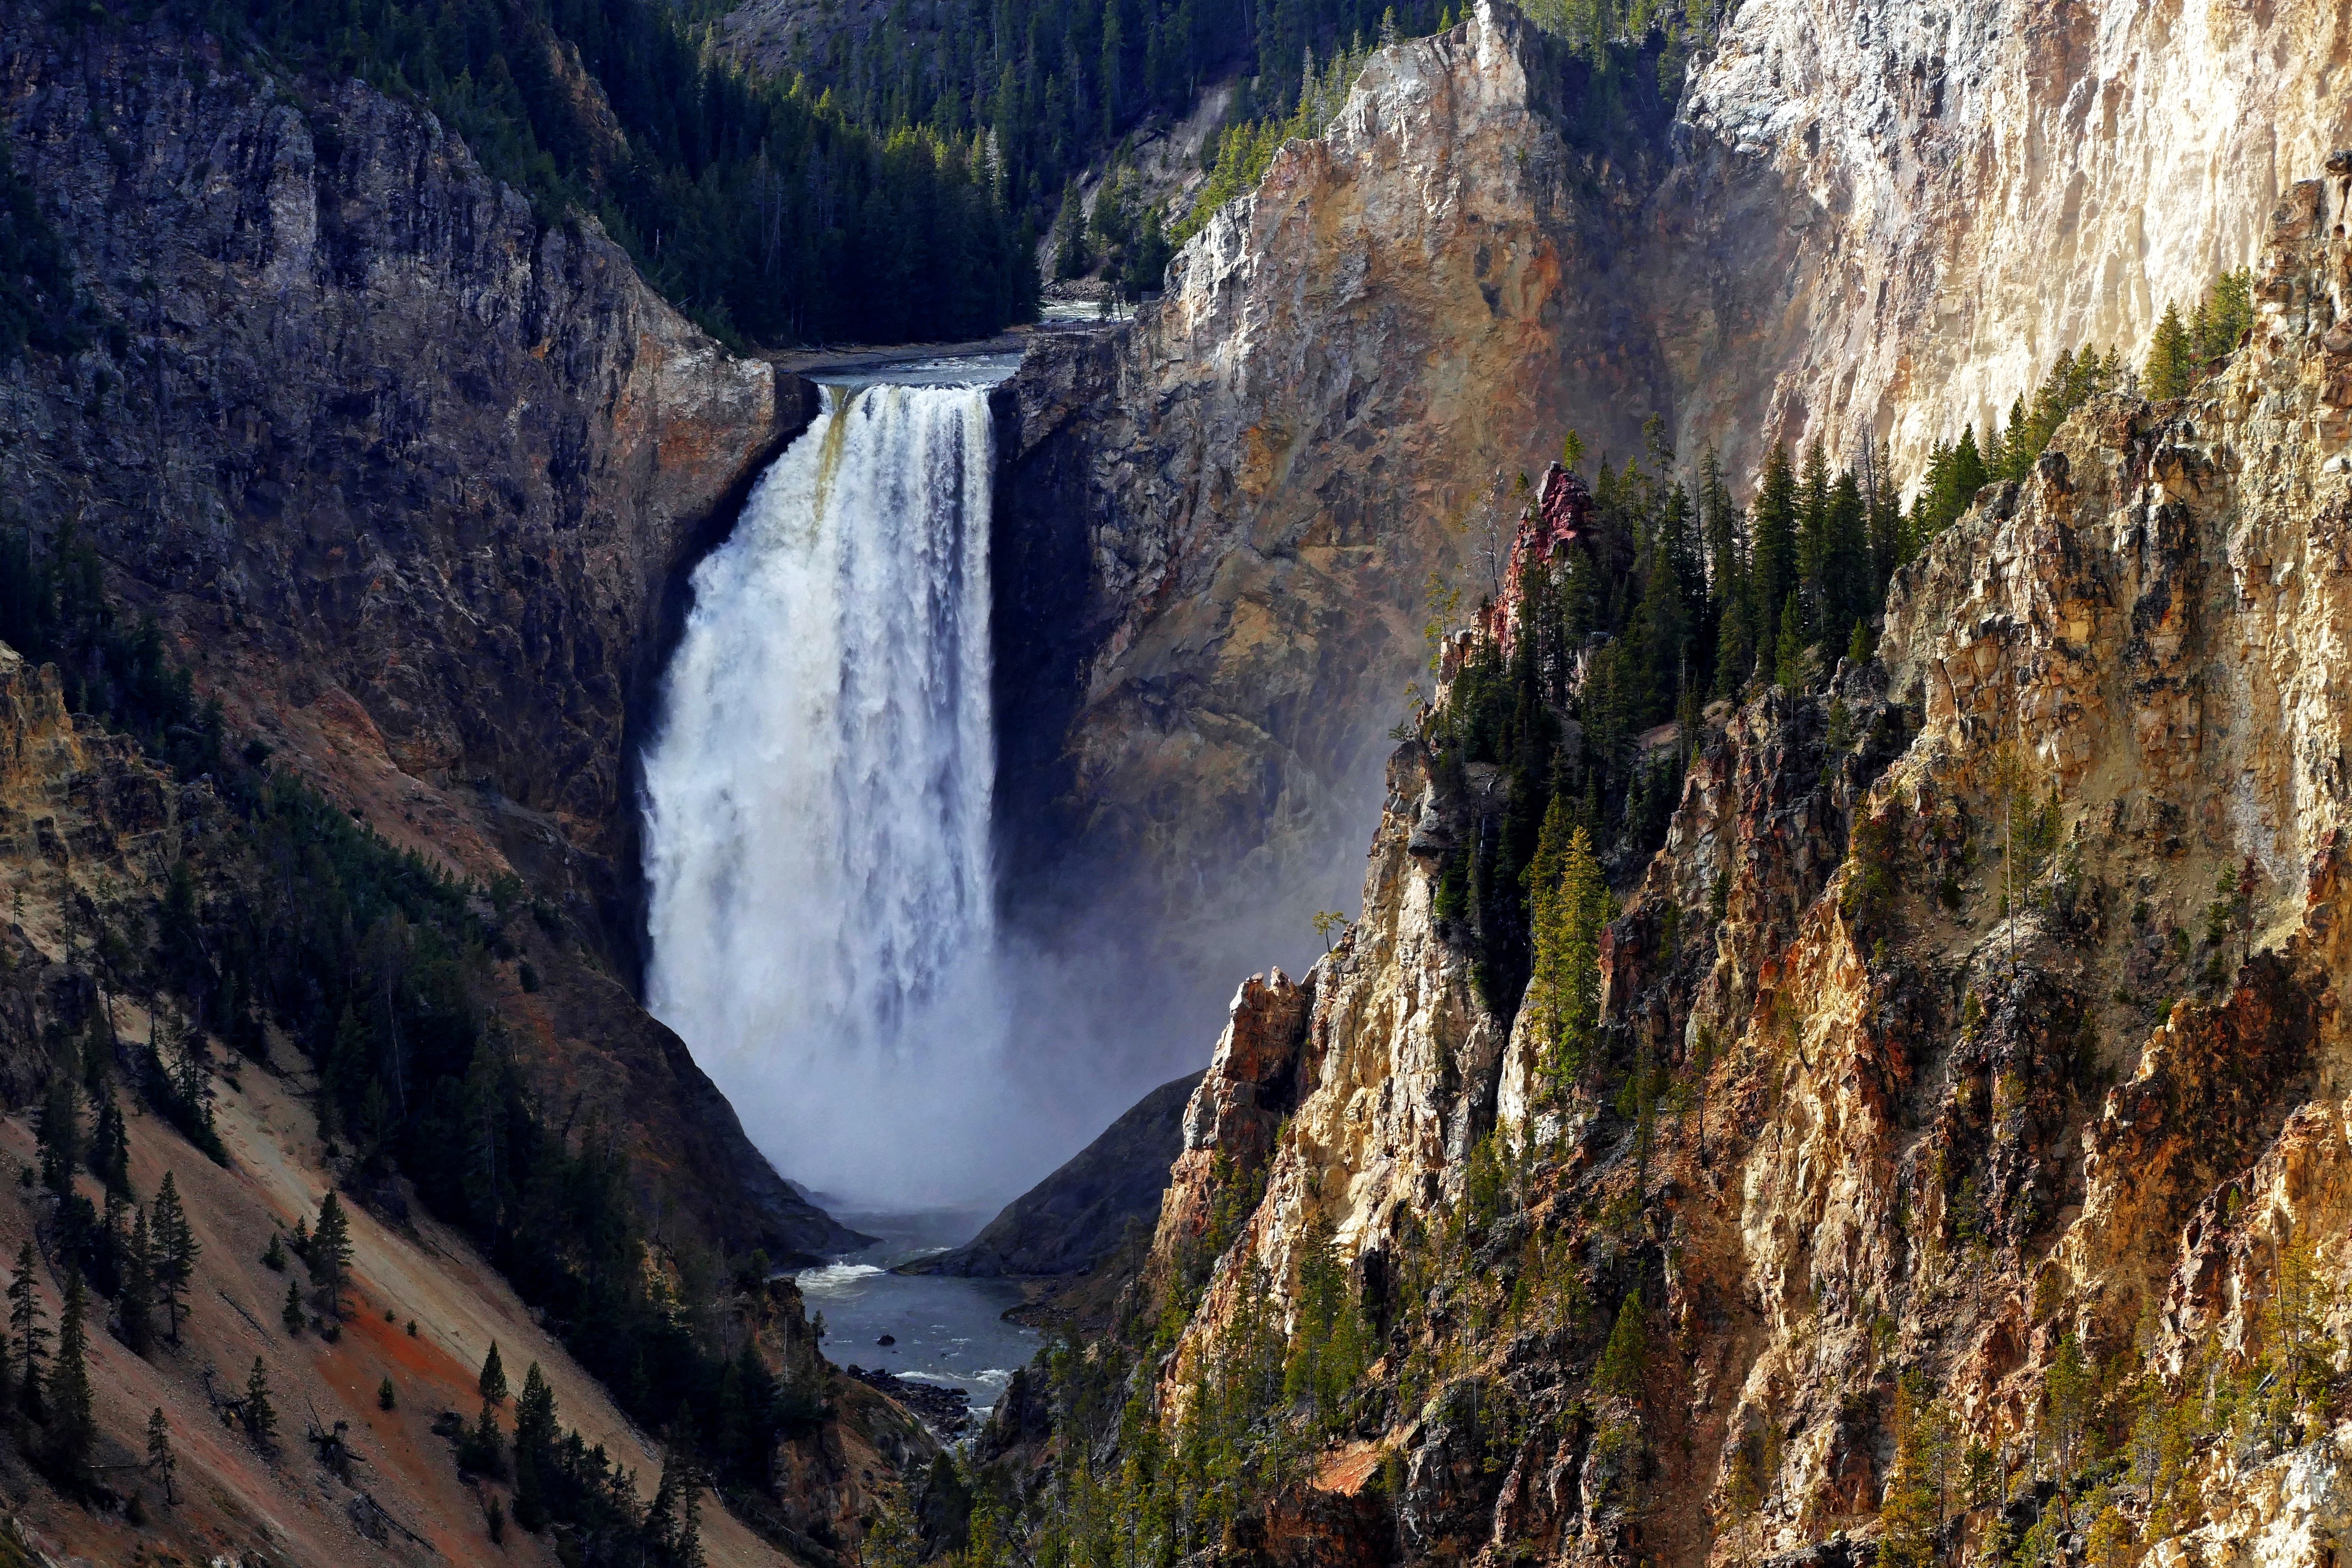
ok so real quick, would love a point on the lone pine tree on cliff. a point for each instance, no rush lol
(174, 1252)
(24, 1315)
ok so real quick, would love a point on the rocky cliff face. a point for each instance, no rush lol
(409, 477)
(1991, 989)
(1268, 468)
(1865, 220)
(404, 469)
(1890, 219)
(1084, 1211)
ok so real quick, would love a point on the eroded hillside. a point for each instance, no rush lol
(376, 1454)
(1862, 223)
(1949, 1153)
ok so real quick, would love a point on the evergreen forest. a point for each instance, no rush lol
(765, 210)
(893, 185)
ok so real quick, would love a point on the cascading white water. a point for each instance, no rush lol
(817, 798)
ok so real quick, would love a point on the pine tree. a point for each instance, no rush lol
(134, 1308)
(1812, 536)
(534, 1440)
(1849, 591)
(2171, 359)
(673, 1520)
(291, 1313)
(260, 1415)
(1955, 474)
(535, 1410)
(1735, 641)
(109, 1146)
(1883, 503)
(24, 1315)
(1568, 906)
(483, 1451)
(2008, 449)
(2227, 312)
(492, 1383)
(1773, 553)
(161, 1462)
(387, 1397)
(174, 1250)
(1624, 1362)
(58, 1134)
(1968, 472)
(2068, 1394)
(72, 1427)
(1718, 527)
(1912, 1512)
(1789, 653)
(329, 1255)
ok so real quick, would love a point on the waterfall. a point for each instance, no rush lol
(820, 899)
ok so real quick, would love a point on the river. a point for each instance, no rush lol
(946, 1331)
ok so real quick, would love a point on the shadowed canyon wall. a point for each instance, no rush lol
(408, 476)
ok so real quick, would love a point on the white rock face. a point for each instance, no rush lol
(1968, 187)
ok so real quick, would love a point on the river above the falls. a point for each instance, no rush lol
(946, 1332)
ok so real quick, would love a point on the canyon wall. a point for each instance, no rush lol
(403, 467)
(1992, 989)
(409, 477)
(1862, 219)
(1891, 218)
(1244, 496)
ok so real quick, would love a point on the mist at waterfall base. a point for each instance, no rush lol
(820, 896)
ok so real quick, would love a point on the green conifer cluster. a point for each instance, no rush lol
(288, 916)
(2183, 351)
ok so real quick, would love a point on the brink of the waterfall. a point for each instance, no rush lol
(818, 801)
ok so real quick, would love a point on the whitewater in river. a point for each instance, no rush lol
(821, 898)
(943, 1330)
